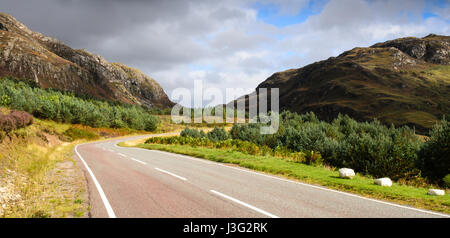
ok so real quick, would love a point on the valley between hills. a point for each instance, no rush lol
(380, 110)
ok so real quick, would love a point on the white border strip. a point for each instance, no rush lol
(99, 188)
(244, 204)
(169, 173)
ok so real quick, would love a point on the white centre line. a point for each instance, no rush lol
(132, 158)
(138, 161)
(244, 204)
(169, 173)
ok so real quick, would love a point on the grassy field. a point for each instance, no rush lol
(329, 177)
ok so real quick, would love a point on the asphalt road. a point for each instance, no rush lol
(133, 182)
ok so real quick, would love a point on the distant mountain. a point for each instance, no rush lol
(404, 81)
(52, 64)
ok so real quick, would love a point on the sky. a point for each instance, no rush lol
(226, 44)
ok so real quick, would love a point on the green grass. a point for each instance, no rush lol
(402, 194)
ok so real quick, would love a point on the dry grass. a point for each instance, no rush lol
(42, 178)
(39, 176)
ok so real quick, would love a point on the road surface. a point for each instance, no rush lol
(133, 182)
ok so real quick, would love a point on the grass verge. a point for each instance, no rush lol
(41, 180)
(39, 176)
(328, 177)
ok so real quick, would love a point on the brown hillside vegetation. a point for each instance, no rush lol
(15, 120)
(405, 82)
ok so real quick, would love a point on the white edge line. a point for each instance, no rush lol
(331, 190)
(244, 204)
(99, 188)
(121, 154)
(169, 173)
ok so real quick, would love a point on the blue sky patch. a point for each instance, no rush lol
(270, 13)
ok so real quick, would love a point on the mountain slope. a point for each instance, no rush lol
(404, 81)
(52, 64)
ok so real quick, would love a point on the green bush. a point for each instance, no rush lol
(446, 181)
(435, 153)
(368, 147)
(217, 134)
(74, 133)
(313, 158)
(194, 133)
(391, 154)
(68, 108)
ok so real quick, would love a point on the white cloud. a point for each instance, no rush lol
(224, 43)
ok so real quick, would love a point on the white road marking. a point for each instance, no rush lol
(180, 155)
(274, 177)
(108, 207)
(335, 191)
(244, 204)
(131, 158)
(299, 183)
(138, 161)
(169, 173)
(176, 155)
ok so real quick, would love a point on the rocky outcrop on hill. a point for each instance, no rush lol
(52, 64)
(404, 81)
(432, 48)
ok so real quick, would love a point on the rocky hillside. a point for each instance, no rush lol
(404, 81)
(52, 64)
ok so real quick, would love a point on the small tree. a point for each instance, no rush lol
(435, 153)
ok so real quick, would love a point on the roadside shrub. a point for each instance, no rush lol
(118, 123)
(74, 133)
(150, 123)
(247, 132)
(7, 123)
(22, 118)
(15, 120)
(367, 147)
(313, 158)
(446, 181)
(298, 157)
(194, 133)
(435, 153)
(217, 134)
(391, 155)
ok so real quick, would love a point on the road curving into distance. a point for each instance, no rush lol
(134, 182)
